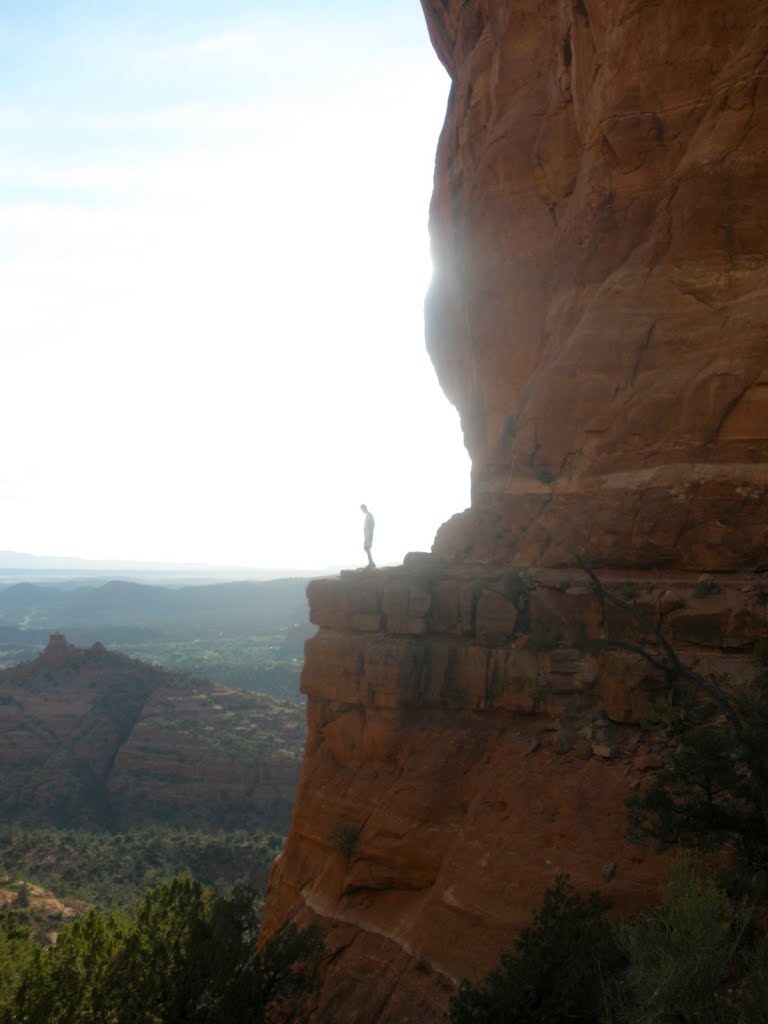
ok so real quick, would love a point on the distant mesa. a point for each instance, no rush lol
(92, 738)
(58, 651)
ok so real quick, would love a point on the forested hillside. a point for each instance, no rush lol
(92, 738)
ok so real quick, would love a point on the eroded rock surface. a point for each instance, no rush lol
(599, 317)
(600, 301)
(467, 743)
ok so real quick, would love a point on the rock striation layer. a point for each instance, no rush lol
(599, 307)
(466, 744)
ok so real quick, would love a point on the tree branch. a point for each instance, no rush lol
(669, 663)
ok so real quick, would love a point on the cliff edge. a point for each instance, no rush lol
(598, 316)
(467, 743)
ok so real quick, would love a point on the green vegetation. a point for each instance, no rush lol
(105, 869)
(245, 634)
(344, 840)
(18, 645)
(754, 992)
(704, 588)
(37, 910)
(715, 792)
(16, 952)
(187, 954)
(556, 969)
(701, 956)
(171, 725)
(261, 662)
(257, 662)
(695, 959)
(680, 952)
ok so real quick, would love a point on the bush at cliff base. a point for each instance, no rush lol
(714, 794)
(699, 957)
(187, 956)
(682, 953)
(558, 969)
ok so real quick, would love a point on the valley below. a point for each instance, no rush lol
(163, 731)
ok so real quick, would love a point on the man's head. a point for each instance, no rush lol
(364, 508)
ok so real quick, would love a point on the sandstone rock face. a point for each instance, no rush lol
(599, 316)
(600, 301)
(465, 746)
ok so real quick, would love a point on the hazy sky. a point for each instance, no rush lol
(213, 258)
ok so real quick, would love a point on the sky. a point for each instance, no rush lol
(213, 260)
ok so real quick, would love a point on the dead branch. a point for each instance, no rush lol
(668, 662)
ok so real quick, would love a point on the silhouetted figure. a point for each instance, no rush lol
(368, 528)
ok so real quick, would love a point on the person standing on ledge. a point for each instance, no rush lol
(370, 523)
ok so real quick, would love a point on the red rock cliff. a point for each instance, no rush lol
(464, 748)
(599, 316)
(600, 304)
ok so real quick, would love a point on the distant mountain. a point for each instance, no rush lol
(15, 563)
(231, 608)
(23, 560)
(91, 738)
